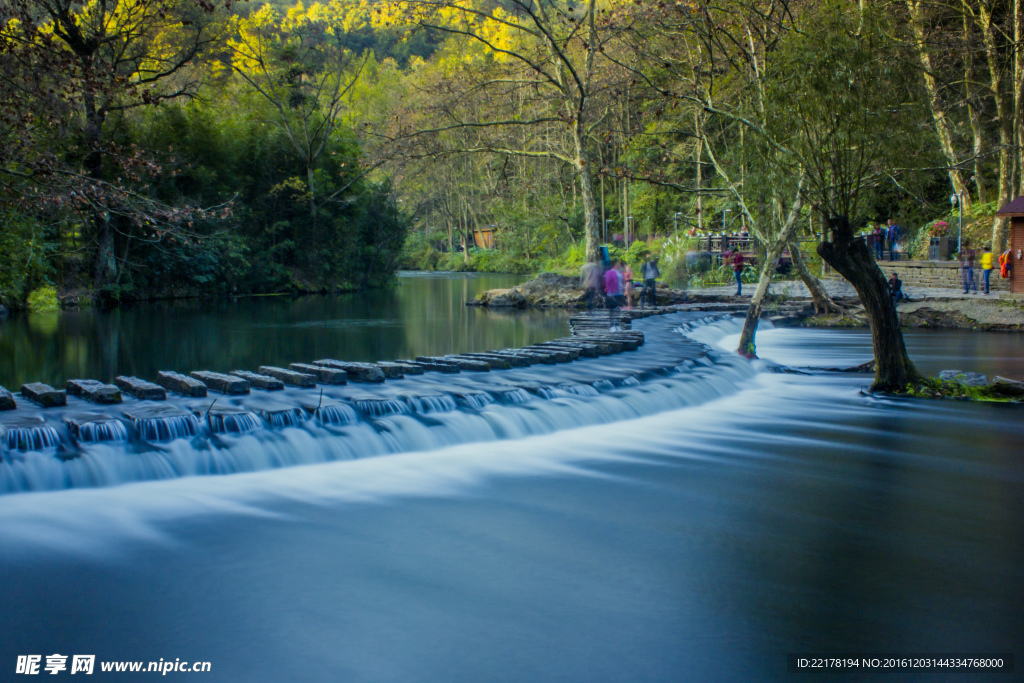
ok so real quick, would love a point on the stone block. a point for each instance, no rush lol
(971, 379)
(495, 362)
(7, 401)
(397, 370)
(323, 374)
(574, 353)
(357, 372)
(264, 382)
(296, 379)
(449, 368)
(180, 384)
(140, 389)
(468, 364)
(44, 395)
(94, 391)
(223, 384)
(508, 360)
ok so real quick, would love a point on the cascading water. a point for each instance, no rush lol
(168, 428)
(98, 431)
(234, 422)
(433, 403)
(336, 414)
(34, 437)
(297, 427)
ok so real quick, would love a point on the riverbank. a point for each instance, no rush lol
(789, 303)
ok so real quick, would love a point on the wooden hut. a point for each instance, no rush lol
(1015, 212)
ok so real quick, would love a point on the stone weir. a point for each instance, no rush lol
(602, 353)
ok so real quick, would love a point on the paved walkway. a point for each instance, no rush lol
(842, 288)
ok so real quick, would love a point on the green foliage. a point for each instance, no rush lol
(44, 300)
(25, 255)
(936, 388)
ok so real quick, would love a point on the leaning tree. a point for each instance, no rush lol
(840, 96)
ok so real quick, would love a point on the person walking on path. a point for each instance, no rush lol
(986, 265)
(967, 264)
(592, 282)
(651, 275)
(613, 285)
(894, 233)
(895, 288)
(737, 268)
(879, 239)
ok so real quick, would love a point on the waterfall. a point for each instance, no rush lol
(101, 430)
(31, 438)
(146, 440)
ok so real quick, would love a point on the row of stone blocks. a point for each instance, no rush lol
(590, 343)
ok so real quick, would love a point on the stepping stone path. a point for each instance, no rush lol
(323, 374)
(357, 372)
(44, 395)
(296, 379)
(265, 382)
(224, 384)
(141, 389)
(180, 384)
(7, 401)
(94, 391)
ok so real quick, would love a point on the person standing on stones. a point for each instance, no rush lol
(591, 281)
(737, 268)
(651, 275)
(986, 265)
(967, 265)
(894, 233)
(879, 241)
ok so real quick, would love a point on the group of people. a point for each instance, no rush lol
(890, 234)
(967, 260)
(615, 286)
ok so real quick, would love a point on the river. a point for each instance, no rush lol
(700, 523)
(424, 314)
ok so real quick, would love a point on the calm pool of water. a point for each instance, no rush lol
(424, 315)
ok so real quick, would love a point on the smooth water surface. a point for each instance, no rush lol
(424, 315)
(783, 513)
(990, 353)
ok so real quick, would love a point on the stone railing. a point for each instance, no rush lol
(939, 274)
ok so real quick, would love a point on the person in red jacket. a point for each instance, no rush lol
(737, 267)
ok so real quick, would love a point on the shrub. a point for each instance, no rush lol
(44, 300)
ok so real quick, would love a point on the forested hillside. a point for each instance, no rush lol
(158, 147)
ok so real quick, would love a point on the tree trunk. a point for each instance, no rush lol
(853, 260)
(583, 168)
(1000, 227)
(746, 346)
(934, 101)
(973, 112)
(820, 300)
(699, 171)
(105, 265)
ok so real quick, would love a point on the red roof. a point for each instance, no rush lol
(1014, 208)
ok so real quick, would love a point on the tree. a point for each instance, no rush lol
(541, 51)
(91, 61)
(302, 66)
(840, 87)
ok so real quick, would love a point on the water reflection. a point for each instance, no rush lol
(424, 315)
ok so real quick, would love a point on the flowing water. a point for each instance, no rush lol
(669, 514)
